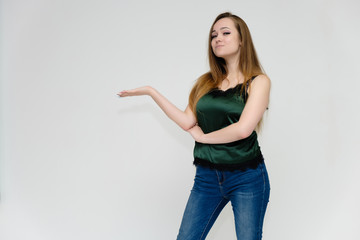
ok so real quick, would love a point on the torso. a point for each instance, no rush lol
(218, 109)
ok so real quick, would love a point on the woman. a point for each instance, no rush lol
(225, 107)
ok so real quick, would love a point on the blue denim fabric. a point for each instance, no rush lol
(248, 191)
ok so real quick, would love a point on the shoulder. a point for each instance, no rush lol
(261, 81)
(261, 78)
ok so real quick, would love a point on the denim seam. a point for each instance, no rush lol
(201, 237)
(217, 175)
(221, 189)
(262, 202)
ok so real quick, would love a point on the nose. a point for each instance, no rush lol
(219, 38)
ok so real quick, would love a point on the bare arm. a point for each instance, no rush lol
(185, 119)
(253, 111)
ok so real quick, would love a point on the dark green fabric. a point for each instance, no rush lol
(216, 110)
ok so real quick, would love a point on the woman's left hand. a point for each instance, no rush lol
(196, 133)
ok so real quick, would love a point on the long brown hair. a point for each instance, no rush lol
(249, 64)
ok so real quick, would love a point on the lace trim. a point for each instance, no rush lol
(253, 164)
(216, 92)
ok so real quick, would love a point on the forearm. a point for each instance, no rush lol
(185, 120)
(231, 133)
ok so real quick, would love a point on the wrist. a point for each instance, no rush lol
(202, 138)
(150, 91)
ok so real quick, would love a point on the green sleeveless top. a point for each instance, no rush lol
(216, 110)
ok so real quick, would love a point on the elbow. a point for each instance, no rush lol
(244, 130)
(187, 127)
(244, 133)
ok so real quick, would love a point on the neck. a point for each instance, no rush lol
(234, 73)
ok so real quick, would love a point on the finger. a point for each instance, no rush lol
(122, 93)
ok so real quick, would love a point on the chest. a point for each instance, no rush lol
(217, 105)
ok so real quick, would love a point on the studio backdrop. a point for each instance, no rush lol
(78, 162)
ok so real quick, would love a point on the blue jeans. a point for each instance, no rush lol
(248, 191)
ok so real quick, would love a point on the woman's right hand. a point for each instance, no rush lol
(146, 90)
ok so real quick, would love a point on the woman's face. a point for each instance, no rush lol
(225, 39)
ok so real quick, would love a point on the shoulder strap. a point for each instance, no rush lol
(247, 87)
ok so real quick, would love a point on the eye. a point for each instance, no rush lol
(227, 33)
(213, 36)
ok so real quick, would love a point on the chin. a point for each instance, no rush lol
(221, 55)
(225, 55)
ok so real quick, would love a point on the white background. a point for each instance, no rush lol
(77, 162)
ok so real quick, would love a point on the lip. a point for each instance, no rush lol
(219, 46)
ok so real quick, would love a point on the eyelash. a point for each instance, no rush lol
(225, 33)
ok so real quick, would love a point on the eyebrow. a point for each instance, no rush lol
(220, 29)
